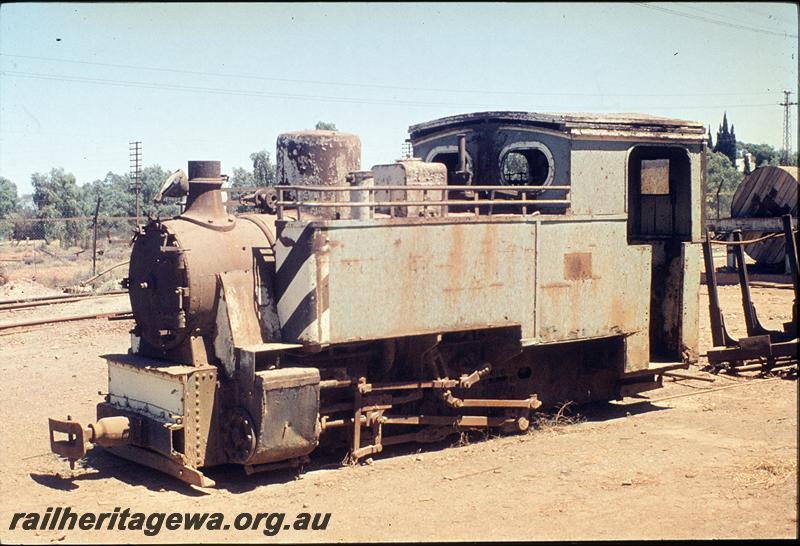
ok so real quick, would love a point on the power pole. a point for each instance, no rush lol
(407, 151)
(787, 127)
(135, 154)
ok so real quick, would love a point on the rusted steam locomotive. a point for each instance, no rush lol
(407, 302)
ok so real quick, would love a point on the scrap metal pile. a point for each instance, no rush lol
(763, 225)
(773, 349)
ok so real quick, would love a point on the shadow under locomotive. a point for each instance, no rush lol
(100, 464)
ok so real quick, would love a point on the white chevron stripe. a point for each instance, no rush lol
(299, 287)
(303, 282)
(311, 333)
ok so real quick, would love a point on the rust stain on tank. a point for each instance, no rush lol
(578, 266)
(556, 284)
(456, 261)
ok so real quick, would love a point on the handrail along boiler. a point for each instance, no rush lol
(518, 260)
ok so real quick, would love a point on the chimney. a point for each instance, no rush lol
(204, 202)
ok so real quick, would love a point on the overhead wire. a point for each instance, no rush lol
(372, 85)
(750, 10)
(322, 98)
(714, 21)
(694, 7)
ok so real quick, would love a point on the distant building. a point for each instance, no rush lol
(726, 140)
(741, 163)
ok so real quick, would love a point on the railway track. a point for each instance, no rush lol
(43, 302)
(40, 301)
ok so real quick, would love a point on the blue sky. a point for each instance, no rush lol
(219, 81)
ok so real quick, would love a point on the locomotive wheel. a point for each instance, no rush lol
(240, 436)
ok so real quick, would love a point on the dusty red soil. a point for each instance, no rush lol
(30, 269)
(716, 464)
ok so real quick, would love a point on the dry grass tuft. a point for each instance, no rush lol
(766, 473)
(349, 460)
(556, 422)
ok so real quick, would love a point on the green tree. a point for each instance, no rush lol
(8, 197)
(25, 211)
(764, 154)
(116, 199)
(263, 169)
(515, 169)
(325, 126)
(57, 195)
(153, 177)
(9, 204)
(240, 178)
(722, 179)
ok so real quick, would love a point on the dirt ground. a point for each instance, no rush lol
(33, 268)
(716, 464)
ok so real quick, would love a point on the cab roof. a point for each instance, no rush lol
(575, 123)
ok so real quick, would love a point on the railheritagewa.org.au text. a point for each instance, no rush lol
(124, 519)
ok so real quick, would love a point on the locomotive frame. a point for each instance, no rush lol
(408, 302)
